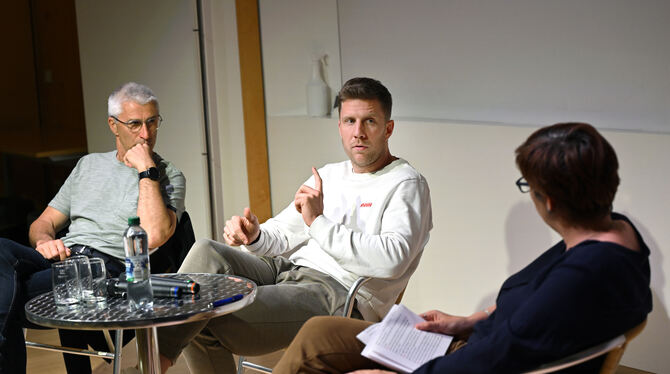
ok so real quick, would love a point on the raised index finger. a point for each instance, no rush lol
(317, 180)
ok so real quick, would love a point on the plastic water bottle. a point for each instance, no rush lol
(135, 242)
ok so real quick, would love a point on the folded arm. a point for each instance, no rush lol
(155, 217)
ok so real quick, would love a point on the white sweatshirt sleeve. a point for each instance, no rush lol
(404, 230)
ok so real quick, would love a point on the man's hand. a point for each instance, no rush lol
(53, 249)
(139, 157)
(309, 201)
(241, 230)
(446, 324)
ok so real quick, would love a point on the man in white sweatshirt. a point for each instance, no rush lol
(368, 216)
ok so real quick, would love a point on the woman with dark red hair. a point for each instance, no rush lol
(590, 287)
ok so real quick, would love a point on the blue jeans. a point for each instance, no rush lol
(24, 274)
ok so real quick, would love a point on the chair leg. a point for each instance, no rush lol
(118, 347)
(108, 340)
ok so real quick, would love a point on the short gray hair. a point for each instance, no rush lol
(130, 91)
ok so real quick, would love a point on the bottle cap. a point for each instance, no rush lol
(133, 221)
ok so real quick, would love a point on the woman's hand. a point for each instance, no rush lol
(446, 324)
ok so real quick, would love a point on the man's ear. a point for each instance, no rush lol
(389, 129)
(112, 126)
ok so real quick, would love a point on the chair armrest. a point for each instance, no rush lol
(351, 296)
(580, 357)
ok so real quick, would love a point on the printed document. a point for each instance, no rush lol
(397, 344)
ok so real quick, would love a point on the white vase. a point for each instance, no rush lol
(318, 101)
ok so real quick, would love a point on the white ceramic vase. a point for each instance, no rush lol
(318, 101)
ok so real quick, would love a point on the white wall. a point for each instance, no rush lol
(289, 40)
(606, 62)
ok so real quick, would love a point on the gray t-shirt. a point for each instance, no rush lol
(101, 194)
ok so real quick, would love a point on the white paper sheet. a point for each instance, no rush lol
(397, 344)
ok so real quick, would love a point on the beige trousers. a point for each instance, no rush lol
(329, 345)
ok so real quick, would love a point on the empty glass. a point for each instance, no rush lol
(98, 295)
(66, 284)
(84, 271)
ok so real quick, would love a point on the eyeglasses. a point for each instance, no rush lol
(523, 185)
(134, 125)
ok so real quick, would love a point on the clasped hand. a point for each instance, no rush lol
(309, 201)
(139, 157)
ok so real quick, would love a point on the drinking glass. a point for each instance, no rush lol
(98, 295)
(66, 284)
(84, 271)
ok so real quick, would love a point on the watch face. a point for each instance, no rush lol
(153, 174)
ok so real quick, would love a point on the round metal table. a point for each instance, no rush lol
(166, 311)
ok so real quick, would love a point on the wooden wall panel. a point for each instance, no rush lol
(253, 103)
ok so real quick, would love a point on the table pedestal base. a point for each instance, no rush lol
(148, 357)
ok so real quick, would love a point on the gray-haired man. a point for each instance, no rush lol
(103, 190)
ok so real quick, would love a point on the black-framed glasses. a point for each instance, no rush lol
(523, 185)
(134, 125)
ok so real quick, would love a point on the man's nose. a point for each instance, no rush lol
(144, 131)
(359, 130)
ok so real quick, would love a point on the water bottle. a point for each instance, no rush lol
(135, 241)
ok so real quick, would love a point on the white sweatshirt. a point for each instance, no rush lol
(373, 224)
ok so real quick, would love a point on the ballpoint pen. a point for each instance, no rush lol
(227, 300)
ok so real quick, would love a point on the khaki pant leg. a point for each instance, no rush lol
(269, 323)
(326, 345)
(208, 256)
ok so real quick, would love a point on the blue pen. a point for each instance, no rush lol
(227, 300)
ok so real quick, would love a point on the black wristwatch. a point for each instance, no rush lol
(151, 173)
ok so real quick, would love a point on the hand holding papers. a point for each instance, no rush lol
(397, 344)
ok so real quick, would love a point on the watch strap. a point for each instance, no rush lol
(151, 173)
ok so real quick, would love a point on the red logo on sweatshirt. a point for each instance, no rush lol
(366, 205)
